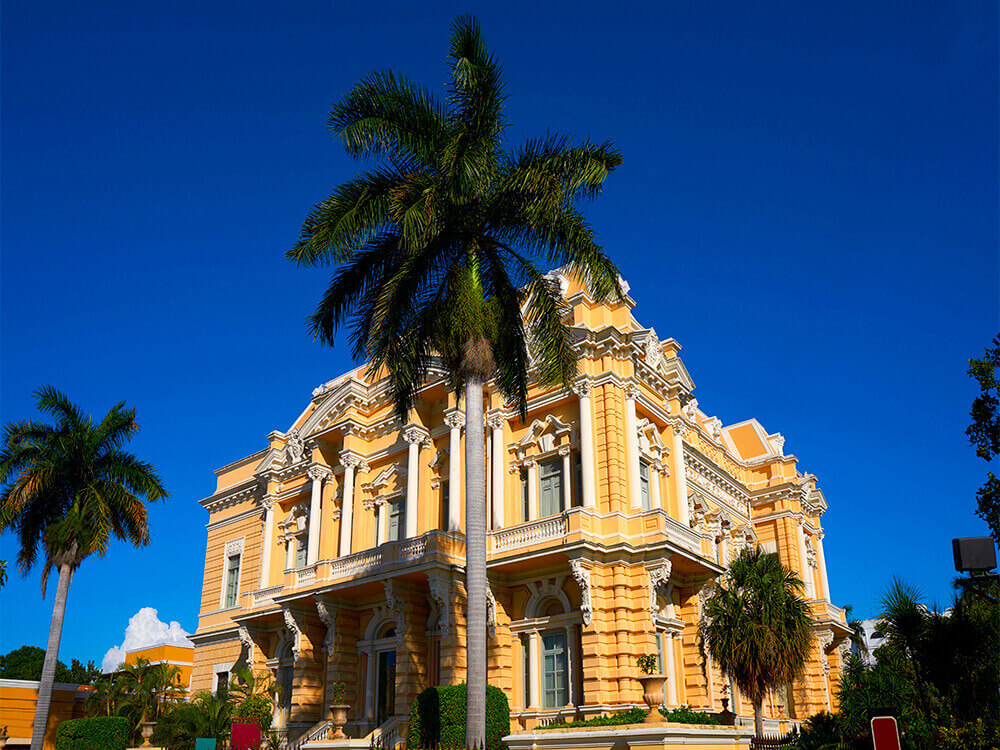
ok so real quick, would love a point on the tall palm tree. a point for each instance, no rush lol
(67, 487)
(436, 247)
(757, 628)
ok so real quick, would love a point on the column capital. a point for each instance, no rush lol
(319, 472)
(416, 434)
(527, 462)
(455, 419)
(352, 460)
(631, 391)
(581, 387)
(496, 420)
(678, 428)
(565, 449)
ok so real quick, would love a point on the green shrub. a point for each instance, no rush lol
(687, 715)
(181, 723)
(630, 716)
(255, 708)
(437, 717)
(98, 733)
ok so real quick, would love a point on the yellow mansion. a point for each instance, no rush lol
(336, 553)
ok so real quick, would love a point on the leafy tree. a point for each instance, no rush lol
(68, 487)
(903, 623)
(757, 628)
(26, 663)
(437, 246)
(984, 431)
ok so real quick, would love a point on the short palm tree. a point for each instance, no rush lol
(68, 487)
(903, 623)
(757, 628)
(437, 247)
(149, 688)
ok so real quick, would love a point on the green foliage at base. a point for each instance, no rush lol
(180, 724)
(255, 708)
(437, 717)
(687, 715)
(98, 733)
(679, 715)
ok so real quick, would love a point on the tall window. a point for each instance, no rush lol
(445, 507)
(550, 488)
(526, 672)
(232, 580)
(525, 513)
(397, 519)
(222, 684)
(555, 672)
(644, 484)
(301, 550)
(578, 483)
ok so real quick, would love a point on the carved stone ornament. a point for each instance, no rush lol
(495, 421)
(582, 577)
(844, 651)
(440, 588)
(328, 616)
(631, 392)
(653, 350)
(416, 435)
(235, 547)
(319, 472)
(659, 575)
(491, 613)
(294, 631)
(246, 641)
(294, 447)
(394, 601)
(825, 640)
(691, 409)
(582, 388)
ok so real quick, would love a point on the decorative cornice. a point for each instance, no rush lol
(319, 472)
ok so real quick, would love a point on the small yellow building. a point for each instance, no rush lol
(18, 699)
(172, 654)
(336, 553)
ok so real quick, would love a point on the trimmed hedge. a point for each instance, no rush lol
(437, 717)
(681, 715)
(98, 733)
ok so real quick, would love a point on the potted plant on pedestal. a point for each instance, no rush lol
(652, 686)
(338, 711)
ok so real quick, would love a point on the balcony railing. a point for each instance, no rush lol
(262, 597)
(527, 534)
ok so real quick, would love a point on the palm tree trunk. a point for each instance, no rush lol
(758, 718)
(51, 657)
(475, 564)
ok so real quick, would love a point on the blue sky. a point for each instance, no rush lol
(808, 203)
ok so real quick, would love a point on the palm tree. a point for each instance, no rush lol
(858, 639)
(436, 248)
(67, 487)
(903, 622)
(149, 688)
(757, 628)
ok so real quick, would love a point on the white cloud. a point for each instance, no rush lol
(145, 629)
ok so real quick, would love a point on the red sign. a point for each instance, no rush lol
(245, 735)
(885, 733)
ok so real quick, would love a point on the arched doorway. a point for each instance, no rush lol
(379, 650)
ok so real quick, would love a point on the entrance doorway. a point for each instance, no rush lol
(385, 691)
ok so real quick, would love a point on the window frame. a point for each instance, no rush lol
(232, 548)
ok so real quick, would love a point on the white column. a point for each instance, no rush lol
(587, 480)
(265, 553)
(821, 559)
(680, 480)
(414, 436)
(533, 675)
(289, 552)
(567, 498)
(671, 671)
(316, 474)
(347, 508)
(455, 422)
(497, 465)
(532, 487)
(655, 472)
(806, 573)
(632, 446)
(382, 519)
